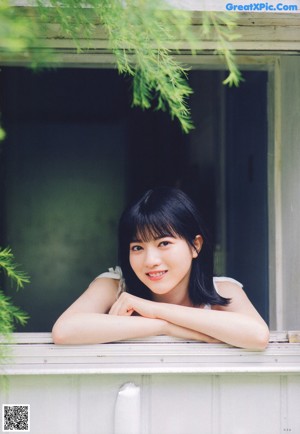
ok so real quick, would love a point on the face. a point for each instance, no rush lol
(164, 266)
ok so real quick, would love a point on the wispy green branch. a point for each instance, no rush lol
(7, 263)
(224, 26)
(9, 313)
(140, 34)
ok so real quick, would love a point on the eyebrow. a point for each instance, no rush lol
(159, 237)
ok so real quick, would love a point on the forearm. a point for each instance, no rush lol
(233, 328)
(94, 328)
(177, 331)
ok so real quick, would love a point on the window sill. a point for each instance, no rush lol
(35, 354)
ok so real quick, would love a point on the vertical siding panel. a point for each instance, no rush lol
(284, 404)
(250, 404)
(274, 199)
(98, 394)
(215, 404)
(181, 404)
(146, 404)
(290, 133)
(293, 402)
(52, 399)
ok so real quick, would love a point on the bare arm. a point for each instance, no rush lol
(87, 321)
(95, 328)
(238, 324)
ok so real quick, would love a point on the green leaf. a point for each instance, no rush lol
(7, 263)
(2, 134)
(9, 315)
(139, 34)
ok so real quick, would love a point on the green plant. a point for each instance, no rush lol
(142, 34)
(9, 313)
(2, 134)
(19, 34)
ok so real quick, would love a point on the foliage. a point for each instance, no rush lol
(9, 314)
(142, 34)
(2, 134)
(224, 26)
(16, 33)
(19, 34)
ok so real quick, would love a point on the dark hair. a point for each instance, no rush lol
(161, 212)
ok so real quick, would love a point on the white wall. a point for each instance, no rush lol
(170, 404)
(290, 189)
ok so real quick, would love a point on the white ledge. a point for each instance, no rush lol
(35, 354)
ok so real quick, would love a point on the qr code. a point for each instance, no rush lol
(16, 418)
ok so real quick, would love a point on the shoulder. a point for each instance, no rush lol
(105, 288)
(230, 288)
(104, 282)
(112, 273)
(226, 285)
(221, 280)
(100, 295)
(109, 282)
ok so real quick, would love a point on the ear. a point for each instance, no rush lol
(198, 242)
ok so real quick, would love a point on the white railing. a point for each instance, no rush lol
(35, 353)
(154, 386)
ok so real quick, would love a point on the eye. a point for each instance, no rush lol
(164, 243)
(135, 248)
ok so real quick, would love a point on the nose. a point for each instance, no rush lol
(152, 257)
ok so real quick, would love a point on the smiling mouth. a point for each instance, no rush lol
(156, 275)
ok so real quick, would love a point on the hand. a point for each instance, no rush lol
(128, 303)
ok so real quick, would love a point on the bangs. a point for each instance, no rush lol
(148, 227)
(161, 213)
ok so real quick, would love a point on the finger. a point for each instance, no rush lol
(120, 309)
(124, 310)
(114, 309)
(129, 312)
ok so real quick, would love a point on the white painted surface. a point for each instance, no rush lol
(259, 32)
(290, 188)
(157, 355)
(170, 404)
(179, 387)
(127, 410)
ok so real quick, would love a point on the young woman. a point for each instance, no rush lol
(164, 285)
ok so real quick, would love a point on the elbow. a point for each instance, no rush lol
(60, 334)
(262, 338)
(256, 339)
